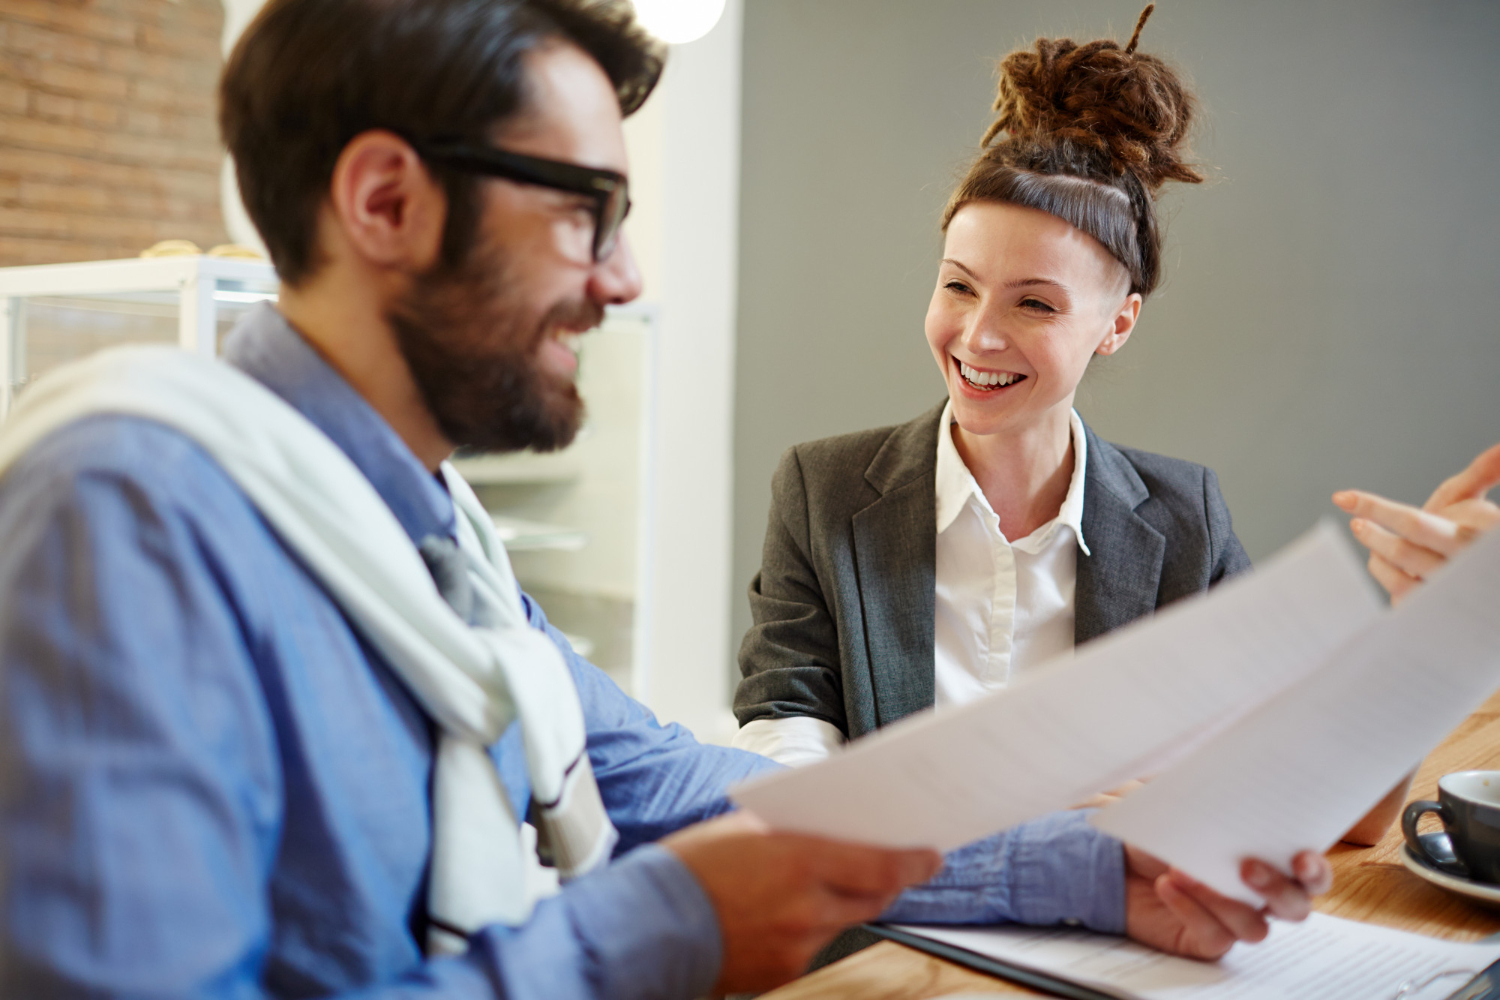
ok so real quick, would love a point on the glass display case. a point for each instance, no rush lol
(53, 313)
(574, 521)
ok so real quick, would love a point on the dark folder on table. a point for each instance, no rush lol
(1484, 986)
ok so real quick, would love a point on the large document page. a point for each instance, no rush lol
(1324, 958)
(1125, 705)
(1300, 769)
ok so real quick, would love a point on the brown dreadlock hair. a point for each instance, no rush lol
(1090, 134)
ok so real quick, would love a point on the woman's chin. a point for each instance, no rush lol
(1011, 413)
(992, 413)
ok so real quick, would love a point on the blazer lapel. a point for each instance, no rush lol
(1119, 582)
(895, 548)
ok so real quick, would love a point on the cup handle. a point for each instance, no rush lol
(1409, 818)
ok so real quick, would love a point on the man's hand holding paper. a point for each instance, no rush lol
(781, 897)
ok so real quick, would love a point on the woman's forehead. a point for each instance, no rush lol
(1005, 243)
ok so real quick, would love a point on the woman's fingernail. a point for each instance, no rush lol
(1257, 876)
(1358, 526)
(1344, 499)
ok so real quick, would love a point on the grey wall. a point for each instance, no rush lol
(1329, 317)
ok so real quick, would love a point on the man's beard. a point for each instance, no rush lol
(460, 330)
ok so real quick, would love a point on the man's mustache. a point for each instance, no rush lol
(573, 314)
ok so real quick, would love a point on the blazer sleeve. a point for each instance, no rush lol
(789, 659)
(1229, 558)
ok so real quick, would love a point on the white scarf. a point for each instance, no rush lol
(473, 681)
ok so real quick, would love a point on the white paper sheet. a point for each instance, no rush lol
(1301, 769)
(1125, 705)
(1323, 958)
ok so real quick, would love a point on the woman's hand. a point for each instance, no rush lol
(1173, 912)
(1406, 544)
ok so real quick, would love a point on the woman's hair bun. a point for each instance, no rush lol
(1125, 104)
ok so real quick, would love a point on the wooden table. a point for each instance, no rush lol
(1370, 884)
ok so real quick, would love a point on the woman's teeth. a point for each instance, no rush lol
(987, 380)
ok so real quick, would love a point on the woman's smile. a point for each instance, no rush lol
(985, 380)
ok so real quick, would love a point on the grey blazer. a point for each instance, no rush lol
(843, 602)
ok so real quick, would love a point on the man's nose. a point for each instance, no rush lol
(616, 279)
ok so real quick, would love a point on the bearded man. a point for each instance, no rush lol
(273, 706)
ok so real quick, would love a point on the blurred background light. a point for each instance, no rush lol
(679, 21)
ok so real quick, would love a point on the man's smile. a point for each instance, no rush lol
(558, 351)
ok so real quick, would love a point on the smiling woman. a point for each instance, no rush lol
(929, 563)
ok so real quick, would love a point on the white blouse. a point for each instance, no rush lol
(1002, 608)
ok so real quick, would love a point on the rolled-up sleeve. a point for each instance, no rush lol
(1053, 870)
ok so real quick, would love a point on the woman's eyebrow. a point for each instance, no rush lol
(1028, 282)
(965, 270)
(1018, 283)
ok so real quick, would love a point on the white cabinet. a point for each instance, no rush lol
(575, 522)
(53, 313)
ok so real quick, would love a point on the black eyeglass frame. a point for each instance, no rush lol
(609, 190)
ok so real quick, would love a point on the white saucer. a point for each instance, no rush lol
(1484, 893)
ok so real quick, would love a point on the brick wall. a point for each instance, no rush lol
(107, 133)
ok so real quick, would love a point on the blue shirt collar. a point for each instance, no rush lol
(264, 346)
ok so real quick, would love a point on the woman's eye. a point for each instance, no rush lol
(1037, 304)
(957, 286)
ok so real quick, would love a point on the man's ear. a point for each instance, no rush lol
(387, 208)
(1121, 325)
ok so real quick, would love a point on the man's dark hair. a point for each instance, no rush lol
(310, 75)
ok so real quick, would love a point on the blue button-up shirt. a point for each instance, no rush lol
(211, 786)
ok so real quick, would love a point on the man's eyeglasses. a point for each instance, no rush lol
(610, 191)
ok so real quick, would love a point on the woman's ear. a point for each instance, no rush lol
(385, 207)
(1121, 325)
